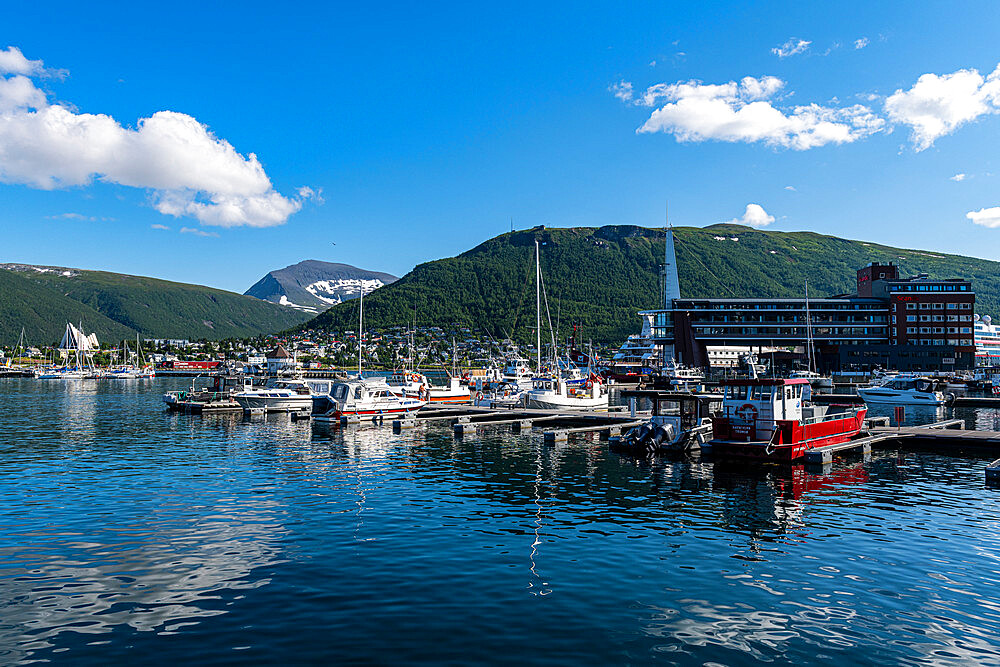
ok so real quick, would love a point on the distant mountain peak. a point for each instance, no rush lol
(313, 285)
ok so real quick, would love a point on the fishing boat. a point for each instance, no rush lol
(362, 398)
(278, 395)
(904, 389)
(770, 419)
(556, 393)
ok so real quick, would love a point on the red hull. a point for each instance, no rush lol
(793, 440)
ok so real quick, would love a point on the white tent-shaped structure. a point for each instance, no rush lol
(74, 339)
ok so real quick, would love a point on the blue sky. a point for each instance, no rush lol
(422, 131)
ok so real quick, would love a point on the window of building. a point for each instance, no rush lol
(925, 318)
(937, 306)
(965, 306)
(911, 306)
(952, 306)
(911, 318)
(925, 306)
(911, 330)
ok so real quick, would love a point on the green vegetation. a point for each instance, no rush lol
(117, 306)
(600, 277)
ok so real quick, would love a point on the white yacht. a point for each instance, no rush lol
(363, 398)
(278, 395)
(816, 380)
(905, 390)
(558, 394)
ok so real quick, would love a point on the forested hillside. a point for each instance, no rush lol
(115, 306)
(600, 277)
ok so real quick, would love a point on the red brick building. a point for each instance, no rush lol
(923, 311)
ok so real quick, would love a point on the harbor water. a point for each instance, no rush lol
(129, 533)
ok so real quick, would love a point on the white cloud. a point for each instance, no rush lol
(311, 194)
(189, 170)
(790, 48)
(938, 105)
(958, 178)
(12, 61)
(861, 43)
(743, 111)
(197, 232)
(622, 90)
(754, 216)
(791, 188)
(158, 226)
(987, 217)
(78, 216)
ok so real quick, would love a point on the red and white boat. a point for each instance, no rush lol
(772, 419)
(416, 385)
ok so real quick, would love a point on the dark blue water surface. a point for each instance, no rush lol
(127, 533)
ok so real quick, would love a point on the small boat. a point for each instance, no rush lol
(416, 385)
(906, 390)
(771, 419)
(367, 397)
(678, 377)
(558, 393)
(278, 395)
(816, 380)
(504, 395)
(681, 422)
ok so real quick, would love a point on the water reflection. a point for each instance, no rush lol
(280, 538)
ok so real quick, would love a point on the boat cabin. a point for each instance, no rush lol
(753, 407)
(685, 410)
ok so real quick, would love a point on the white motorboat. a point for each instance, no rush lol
(678, 377)
(278, 395)
(559, 394)
(503, 395)
(362, 398)
(816, 380)
(905, 390)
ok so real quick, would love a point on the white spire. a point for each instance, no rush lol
(671, 283)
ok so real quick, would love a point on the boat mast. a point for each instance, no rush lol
(538, 308)
(809, 336)
(361, 320)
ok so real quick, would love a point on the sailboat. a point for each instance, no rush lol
(77, 344)
(816, 380)
(556, 392)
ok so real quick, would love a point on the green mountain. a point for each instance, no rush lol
(600, 277)
(115, 306)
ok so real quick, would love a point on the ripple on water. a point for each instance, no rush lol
(130, 533)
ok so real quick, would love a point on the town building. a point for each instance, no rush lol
(914, 323)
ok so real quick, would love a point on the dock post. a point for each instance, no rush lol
(399, 424)
(350, 419)
(552, 437)
(631, 407)
(611, 432)
(521, 426)
(461, 428)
